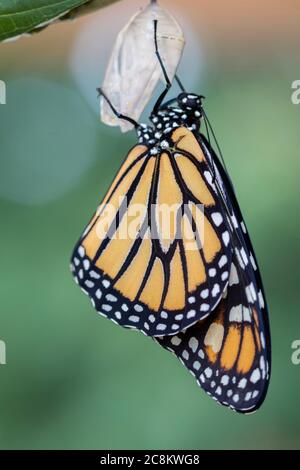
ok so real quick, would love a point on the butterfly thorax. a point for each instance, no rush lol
(187, 113)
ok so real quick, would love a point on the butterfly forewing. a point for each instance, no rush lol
(156, 255)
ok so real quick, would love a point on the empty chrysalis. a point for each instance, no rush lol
(133, 71)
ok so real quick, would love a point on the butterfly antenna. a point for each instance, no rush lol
(209, 127)
(208, 124)
(180, 84)
(210, 148)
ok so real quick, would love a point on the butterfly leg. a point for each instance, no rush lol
(174, 100)
(168, 82)
(119, 115)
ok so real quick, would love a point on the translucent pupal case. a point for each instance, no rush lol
(133, 71)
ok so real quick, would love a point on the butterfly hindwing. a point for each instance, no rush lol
(229, 353)
(242, 245)
(146, 270)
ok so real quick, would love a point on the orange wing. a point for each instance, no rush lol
(156, 255)
(228, 353)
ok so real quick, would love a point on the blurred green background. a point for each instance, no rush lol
(73, 379)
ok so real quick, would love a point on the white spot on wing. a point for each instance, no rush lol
(214, 337)
(208, 372)
(193, 344)
(246, 314)
(191, 314)
(242, 383)
(239, 258)
(81, 251)
(226, 238)
(98, 294)
(215, 291)
(89, 284)
(201, 354)
(262, 339)
(106, 308)
(236, 314)
(217, 218)
(185, 355)
(233, 276)
(236, 397)
(243, 227)
(234, 221)
(94, 275)
(204, 308)
(244, 256)
(204, 294)
(261, 299)
(175, 340)
(111, 298)
(138, 308)
(134, 318)
(86, 264)
(253, 262)
(251, 293)
(161, 327)
(255, 376)
(222, 261)
(225, 380)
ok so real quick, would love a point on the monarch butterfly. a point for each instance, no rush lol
(196, 291)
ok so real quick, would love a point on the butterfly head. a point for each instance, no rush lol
(191, 103)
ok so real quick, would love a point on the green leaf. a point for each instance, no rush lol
(25, 16)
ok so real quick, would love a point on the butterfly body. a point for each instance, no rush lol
(158, 136)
